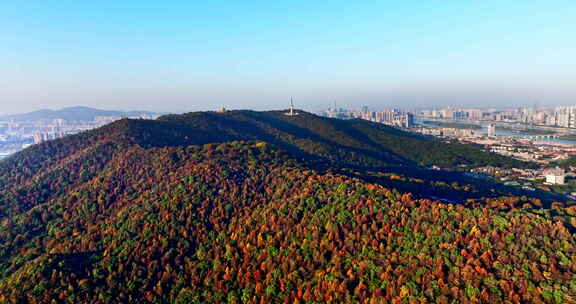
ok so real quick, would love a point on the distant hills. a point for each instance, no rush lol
(78, 113)
(261, 207)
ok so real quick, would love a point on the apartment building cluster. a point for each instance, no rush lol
(564, 116)
(468, 114)
(17, 135)
(449, 132)
(392, 117)
(46, 136)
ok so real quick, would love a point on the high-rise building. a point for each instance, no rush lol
(393, 117)
(409, 120)
(475, 114)
(460, 115)
(566, 116)
(491, 130)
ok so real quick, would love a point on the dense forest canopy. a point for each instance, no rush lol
(260, 207)
(357, 141)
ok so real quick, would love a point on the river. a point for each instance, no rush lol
(500, 131)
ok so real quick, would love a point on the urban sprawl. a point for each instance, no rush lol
(18, 135)
(543, 136)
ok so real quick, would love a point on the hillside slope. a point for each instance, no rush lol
(258, 207)
(355, 142)
(357, 148)
(243, 222)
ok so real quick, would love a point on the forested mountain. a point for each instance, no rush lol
(260, 207)
(357, 142)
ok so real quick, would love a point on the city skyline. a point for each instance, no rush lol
(180, 56)
(315, 108)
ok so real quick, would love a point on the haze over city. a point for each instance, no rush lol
(148, 55)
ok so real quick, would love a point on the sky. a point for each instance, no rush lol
(177, 56)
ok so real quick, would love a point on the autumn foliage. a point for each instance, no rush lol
(247, 222)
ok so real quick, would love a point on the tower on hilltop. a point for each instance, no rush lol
(291, 112)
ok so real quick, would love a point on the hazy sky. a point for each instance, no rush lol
(196, 55)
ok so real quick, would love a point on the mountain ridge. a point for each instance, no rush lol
(260, 207)
(76, 113)
(326, 143)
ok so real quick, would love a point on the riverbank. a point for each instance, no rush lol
(455, 125)
(531, 131)
(562, 136)
(569, 137)
(507, 124)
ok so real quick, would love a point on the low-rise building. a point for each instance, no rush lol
(555, 176)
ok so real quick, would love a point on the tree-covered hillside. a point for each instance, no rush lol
(243, 222)
(381, 154)
(356, 142)
(242, 207)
